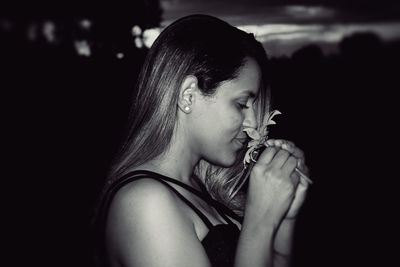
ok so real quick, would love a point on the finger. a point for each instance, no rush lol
(295, 177)
(304, 169)
(303, 182)
(289, 165)
(288, 148)
(267, 155)
(295, 151)
(290, 143)
(278, 142)
(292, 148)
(298, 153)
(270, 142)
(280, 158)
(285, 144)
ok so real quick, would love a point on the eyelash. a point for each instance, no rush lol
(242, 106)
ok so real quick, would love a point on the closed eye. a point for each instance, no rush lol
(242, 106)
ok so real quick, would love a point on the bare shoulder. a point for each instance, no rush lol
(141, 194)
(146, 226)
(142, 200)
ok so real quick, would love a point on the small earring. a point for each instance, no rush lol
(187, 108)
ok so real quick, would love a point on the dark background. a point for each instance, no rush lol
(63, 115)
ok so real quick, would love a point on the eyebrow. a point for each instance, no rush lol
(249, 93)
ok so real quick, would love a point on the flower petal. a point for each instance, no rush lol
(246, 159)
(253, 143)
(268, 118)
(252, 133)
(258, 137)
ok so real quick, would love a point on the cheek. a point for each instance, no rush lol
(236, 118)
(228, 119)
(224, 121)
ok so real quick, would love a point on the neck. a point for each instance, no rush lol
(177, 162)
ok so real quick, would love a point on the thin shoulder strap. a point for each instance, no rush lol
(138, 175)
(221, 209)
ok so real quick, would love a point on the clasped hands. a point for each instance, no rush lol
(276, 181)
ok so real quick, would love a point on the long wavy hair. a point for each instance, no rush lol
(214, 52)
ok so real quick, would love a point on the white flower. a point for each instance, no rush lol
(259, 137)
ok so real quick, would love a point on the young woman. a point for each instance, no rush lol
(166, 201)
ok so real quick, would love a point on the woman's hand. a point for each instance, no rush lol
(276, 190)
(302, 185)
(270, 194)
(272, 187)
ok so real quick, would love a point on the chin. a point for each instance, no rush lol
(226, 164)
(227, 160)
(223, 157)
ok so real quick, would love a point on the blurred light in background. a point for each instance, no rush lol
(85, 24)
(49, 31)
(136, 30)
(308, 12)
(82, 48)
(150, 35)
(284, 39)
(283, 29)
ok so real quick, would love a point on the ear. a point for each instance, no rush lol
(187, 93)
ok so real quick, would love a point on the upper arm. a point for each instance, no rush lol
(146, 227)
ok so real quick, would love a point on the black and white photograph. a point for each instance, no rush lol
(196, 133)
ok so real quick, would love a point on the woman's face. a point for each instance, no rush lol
(219, 120)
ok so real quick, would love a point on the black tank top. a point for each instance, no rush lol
(221, 240)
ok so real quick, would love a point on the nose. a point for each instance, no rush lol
(250, 120)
